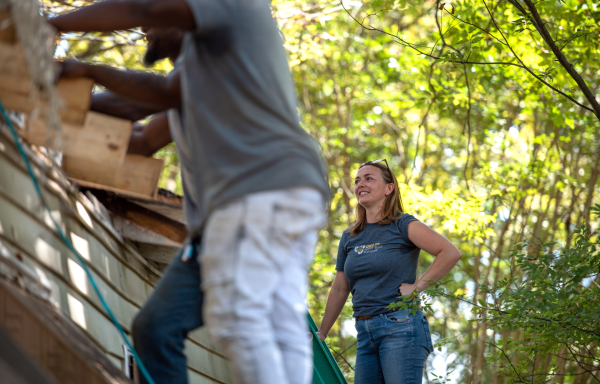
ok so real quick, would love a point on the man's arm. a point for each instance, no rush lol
(109, 103)
(147, 139)
(158, 92)
(113, 15)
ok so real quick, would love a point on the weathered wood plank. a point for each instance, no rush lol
(12, 60)
(138, 174)
(17, 91)
(17, 84)
(146, 218)
(102, 139)
(75, 94)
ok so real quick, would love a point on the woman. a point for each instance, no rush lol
(377, 262)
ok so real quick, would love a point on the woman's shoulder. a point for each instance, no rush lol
(346, 233)
(404, 218)
(402, 222)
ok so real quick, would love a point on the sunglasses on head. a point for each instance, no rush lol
(380, 161)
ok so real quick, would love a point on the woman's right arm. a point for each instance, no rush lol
(340, 290)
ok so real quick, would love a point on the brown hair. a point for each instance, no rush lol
(392, 208)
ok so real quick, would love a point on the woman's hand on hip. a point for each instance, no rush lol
(407, 289)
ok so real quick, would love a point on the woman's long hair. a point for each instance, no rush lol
(392, 208)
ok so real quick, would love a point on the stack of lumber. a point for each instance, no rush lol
(94, 146)
(17, 90)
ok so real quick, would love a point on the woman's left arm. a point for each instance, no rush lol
(445, 253)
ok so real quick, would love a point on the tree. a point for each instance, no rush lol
(488, 155)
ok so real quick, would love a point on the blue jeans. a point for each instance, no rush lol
(392, 348)
(162, 325)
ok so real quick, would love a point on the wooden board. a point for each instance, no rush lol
(21, 85)
(137, 174)
(7, 29)
(140, 174)
(102, 138)
(75, 97)
(16, 88)
(12, 60)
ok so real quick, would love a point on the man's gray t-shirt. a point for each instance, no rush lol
(192, 209)
(239, 105)
(376, 262)
(192, 196)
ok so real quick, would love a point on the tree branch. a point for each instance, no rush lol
(475, 26)
(529, 70)
(521, 65)
(562, 59)
(509, 361)
(414, 47)
(468, 126)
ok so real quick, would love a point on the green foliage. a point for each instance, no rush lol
(485, 153)
(554, 306)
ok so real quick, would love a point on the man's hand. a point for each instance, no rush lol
(156, 92)
(70, 69)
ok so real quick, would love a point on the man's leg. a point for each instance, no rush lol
(160, 328)
(248, 247)
(289, 312)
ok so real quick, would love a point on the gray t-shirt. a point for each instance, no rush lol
(192, 209)
(239, 105)
(376, 262)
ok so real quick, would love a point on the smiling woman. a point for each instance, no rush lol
(377, 261)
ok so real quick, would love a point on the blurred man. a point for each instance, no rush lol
(262, 182)
(174, 308)
(162, 43)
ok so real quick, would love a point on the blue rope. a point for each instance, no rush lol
(71, 247)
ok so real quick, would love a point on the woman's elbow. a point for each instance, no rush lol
(456, 255)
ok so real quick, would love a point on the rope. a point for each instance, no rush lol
(70, 245)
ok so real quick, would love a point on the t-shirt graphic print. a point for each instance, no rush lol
(367, 248)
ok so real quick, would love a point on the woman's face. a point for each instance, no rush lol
(370, 188)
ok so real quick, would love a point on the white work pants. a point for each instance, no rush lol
(255, 257)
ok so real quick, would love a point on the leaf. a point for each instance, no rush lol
(477, 39)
